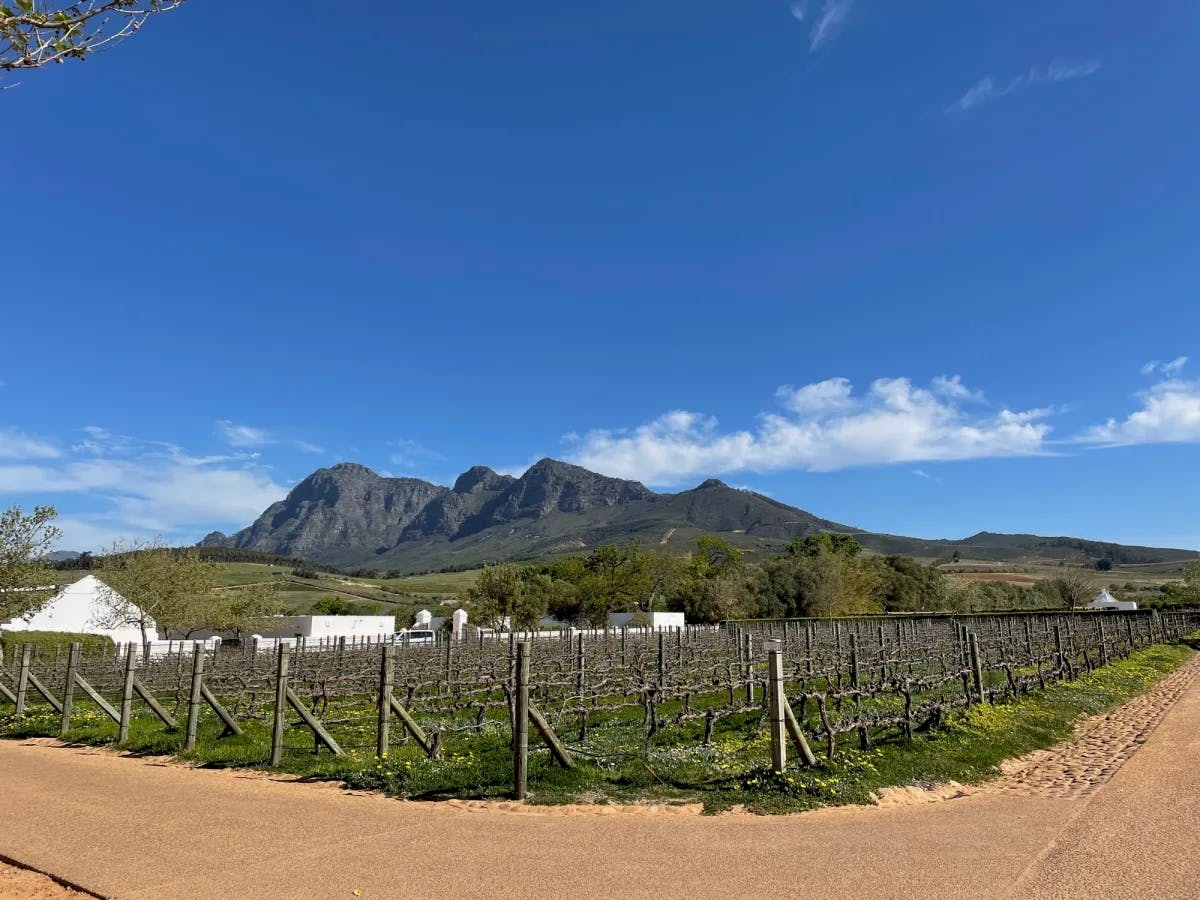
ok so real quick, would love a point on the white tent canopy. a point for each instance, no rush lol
(1105, 600)
(79, 608)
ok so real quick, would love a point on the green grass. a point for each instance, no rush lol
(47, 640)
(613, 766)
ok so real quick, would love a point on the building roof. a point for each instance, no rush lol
(81, 608)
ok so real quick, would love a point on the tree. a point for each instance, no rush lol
(500, 594)
(1072, 587)
(237, 609)
(333, 606)
(1191, 583)
(624, 573)
(34, 33)
(26, 578)
(812, 545)
(145, 581)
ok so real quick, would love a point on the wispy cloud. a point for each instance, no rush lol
(139, 488)
(244, 435)
(16, 444)
(1170, 369)
(250, 436)
(412, 455)
(988, 88)
(829, 18)
(825, 427)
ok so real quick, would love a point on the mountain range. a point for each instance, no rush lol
(349, 516)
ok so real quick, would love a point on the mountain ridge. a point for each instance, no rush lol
(348, 515)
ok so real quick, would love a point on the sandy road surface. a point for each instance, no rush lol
(1105, 815)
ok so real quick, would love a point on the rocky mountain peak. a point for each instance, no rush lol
(481, 478)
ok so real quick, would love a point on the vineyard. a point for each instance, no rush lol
(694, 703)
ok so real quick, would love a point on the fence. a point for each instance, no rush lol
(596, 693)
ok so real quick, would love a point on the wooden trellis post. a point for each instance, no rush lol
(127, 693)
(279, 723)
(68, 701)
(521, 723)
(386, 674)
(195, 695)
(776, 701)
(976, 671)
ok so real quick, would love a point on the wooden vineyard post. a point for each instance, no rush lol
(521, 736)
(976, 671)
(195, 695)
(68, 700)
(127, 693)
(1058, 649)
(1103, 644)
(864, 740)
(386, 676)
(662, 661)
(279, 723)
(23, 679)
(749, 669)
(777, 701)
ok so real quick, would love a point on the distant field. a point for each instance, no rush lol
(437, 583)
(1010, 577)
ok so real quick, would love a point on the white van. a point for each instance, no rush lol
(415, 636)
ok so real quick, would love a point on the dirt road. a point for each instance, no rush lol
(1115, 813)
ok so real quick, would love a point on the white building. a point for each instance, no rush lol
(81, 608)
(1105, 600)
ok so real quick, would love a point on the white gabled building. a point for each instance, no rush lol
(79, 608)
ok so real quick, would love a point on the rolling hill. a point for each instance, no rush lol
(349, 516)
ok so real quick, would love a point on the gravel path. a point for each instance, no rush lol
(21, 884)
(1092, 818)
(1102, 744)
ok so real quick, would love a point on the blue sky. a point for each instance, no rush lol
(927, 268)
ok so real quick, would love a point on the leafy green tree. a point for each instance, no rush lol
(500, 594)
(34, 33)
(26, 578)
(813, 545)
(625, 576)
(333, 606)
(146, 581)
(717, 556)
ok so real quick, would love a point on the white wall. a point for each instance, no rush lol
(658, 621)
(317, 627)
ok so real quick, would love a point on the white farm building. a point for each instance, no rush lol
(79, 608)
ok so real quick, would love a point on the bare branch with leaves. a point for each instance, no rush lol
(35, 34)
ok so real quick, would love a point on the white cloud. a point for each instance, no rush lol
(952, 387)
(799, 10)
(825, 429)
(16, 444)
(1170, 413)
(988, 88)
(243, 435)
(829, 395)
(829, 24)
